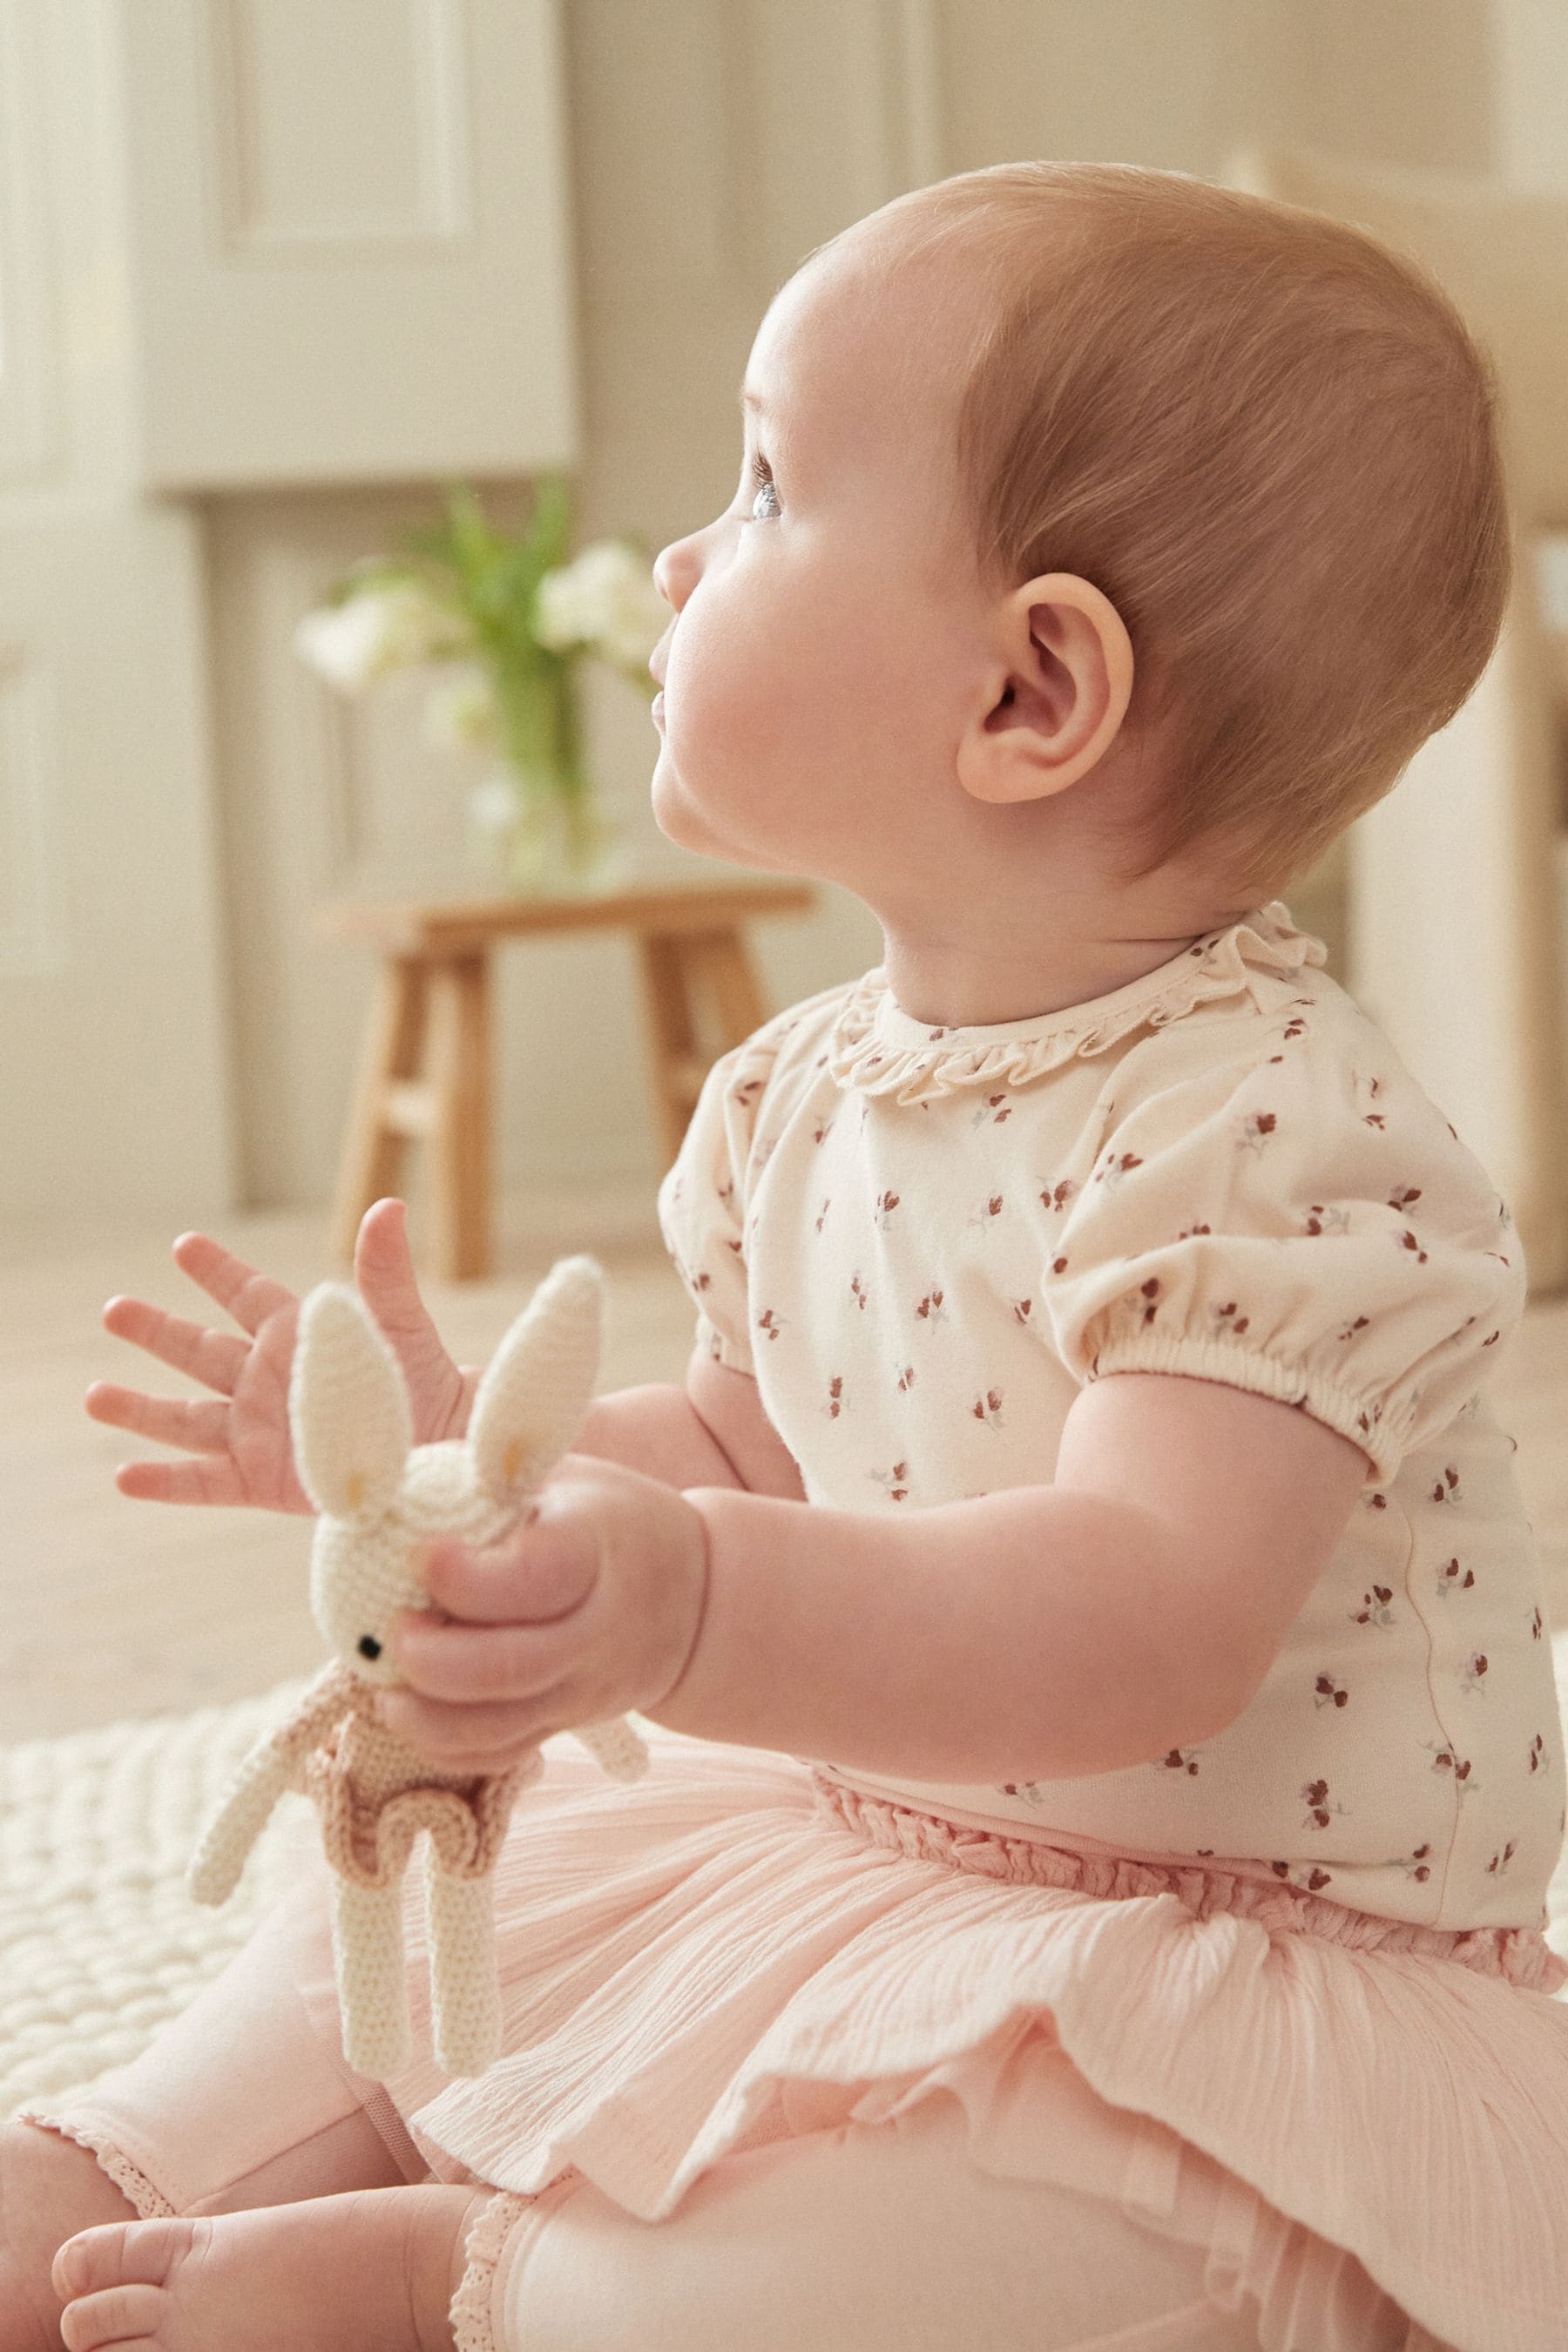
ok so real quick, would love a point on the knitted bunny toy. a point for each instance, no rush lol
(382, 1501)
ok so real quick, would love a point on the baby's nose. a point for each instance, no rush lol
(675, 570)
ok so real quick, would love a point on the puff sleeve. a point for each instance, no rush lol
(702, 1200)
(1308, 1227)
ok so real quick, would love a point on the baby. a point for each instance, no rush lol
(1095, 1655)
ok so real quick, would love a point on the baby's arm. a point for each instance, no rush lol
(712, 1433)
(1132, 1607)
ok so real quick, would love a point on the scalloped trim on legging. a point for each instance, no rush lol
(471, 2307)
(151, 2203)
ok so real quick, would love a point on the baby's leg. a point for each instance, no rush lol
(238, 2102)
(48, 2187)
(864, 2238)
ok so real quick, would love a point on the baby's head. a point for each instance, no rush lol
(1083, 475)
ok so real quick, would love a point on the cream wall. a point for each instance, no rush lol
(710, 145)
(1529, 58)
(1395, 81)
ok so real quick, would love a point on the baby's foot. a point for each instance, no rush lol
(372, 2270)
(50, 2187)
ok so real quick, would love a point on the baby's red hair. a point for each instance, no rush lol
(1271, 442)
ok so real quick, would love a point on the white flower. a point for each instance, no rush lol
(492, 805)
(605, 600)
(460, 713)
(376, 630)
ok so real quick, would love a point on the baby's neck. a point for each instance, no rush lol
(963, 979)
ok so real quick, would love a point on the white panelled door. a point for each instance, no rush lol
(350, 240)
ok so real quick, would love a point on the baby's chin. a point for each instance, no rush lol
(682, 819)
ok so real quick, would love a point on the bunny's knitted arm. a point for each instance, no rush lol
(271, 1767)
(615, 1747)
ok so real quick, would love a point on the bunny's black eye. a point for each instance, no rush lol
(369, 1646)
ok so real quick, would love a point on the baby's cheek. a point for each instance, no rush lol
(788, 732)
(723, 785)
(714, 697)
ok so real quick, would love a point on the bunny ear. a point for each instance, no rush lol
(348, 1409)
(532, 1398)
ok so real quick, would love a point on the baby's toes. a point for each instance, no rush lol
(112, 2280)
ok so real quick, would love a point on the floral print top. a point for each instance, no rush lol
(922, 1241)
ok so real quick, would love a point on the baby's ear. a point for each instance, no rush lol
(531, 1400)
(348, 1409)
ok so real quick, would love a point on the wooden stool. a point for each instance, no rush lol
(426, 1071)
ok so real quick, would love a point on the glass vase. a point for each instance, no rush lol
(551, 838)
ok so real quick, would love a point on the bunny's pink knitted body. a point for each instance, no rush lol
(374, 1794)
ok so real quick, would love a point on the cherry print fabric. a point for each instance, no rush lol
(923, 1240)
(699, 1199)
(1242, 1225)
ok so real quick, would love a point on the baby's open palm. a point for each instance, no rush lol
(240, 1438)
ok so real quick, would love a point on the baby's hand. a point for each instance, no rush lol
(242, 1443)
(590, 1607)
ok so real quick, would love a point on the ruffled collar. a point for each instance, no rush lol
(880, 1049)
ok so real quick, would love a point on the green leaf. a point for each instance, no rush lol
(474, 544)
(552, 525)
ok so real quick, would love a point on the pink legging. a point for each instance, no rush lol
(862, 2238)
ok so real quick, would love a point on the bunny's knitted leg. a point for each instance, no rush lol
(464, 1983)
(373, 1983)
(459, 1889)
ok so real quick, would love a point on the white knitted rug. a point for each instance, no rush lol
(99, 1941)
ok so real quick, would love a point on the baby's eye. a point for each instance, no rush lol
(761, 474)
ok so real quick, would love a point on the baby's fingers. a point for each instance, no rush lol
(215, 1358)
(211, 1479)
(466, 1738)
(384, 1270)
(199, 1427)
(249, 1297)
(466, 1664)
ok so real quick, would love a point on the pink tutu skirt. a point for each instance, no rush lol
(1365, 2123)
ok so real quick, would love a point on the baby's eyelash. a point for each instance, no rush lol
(762, 479)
